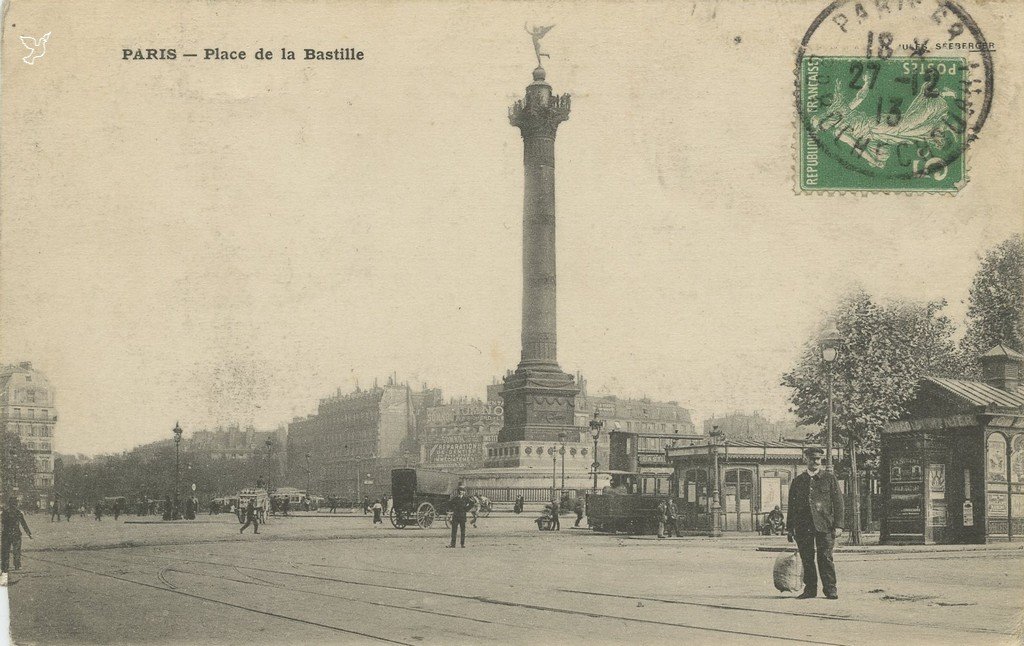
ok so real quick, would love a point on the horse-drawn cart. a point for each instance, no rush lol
(420, 495)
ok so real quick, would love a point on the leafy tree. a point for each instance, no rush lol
(885, 349)
(995, 312)
(17, 467)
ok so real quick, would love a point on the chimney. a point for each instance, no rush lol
(1001, 367)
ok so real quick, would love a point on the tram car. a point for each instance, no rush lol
(420, 495)
(621, 508)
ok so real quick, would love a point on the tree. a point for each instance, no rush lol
(884, 351)
(17, 468)
(995, 311)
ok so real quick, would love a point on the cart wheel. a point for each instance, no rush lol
(448, 519)
(396, 520)
(425, 515)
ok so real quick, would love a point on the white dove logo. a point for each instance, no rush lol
(36, 47)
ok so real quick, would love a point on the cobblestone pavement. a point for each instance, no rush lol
(320, 579)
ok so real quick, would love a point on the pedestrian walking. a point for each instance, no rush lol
(520, 504)
(378, 510)
(55, 511)
(662, 516)
(117, 509)
(12, 520)
(474, 510)
(68, 511)
(333, 502)
(458, 506)
(672, 513)
(366, 505)
(556, 509)
(580, 508)
(251, 518)
(285, 505)
(815, 521)
(98, 510)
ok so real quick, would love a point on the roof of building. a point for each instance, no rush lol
(1000, 350)
(978, 393)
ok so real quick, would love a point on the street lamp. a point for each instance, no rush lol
(554, 468)
(716, 505)
(829, 351)
(176, 513)
(307, 474)
(270, 461)
(595, 432)
(561, 451)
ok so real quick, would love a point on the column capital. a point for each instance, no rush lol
(539, 114)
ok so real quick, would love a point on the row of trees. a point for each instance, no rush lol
(134, 474)
(887, 347)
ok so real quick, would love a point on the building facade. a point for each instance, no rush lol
(349, 446)
(28, 411)
(455, 435)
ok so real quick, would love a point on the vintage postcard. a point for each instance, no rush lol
(463, 322)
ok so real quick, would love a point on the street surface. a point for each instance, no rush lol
(324, 579)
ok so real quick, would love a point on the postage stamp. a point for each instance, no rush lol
(890, 97)
(892, 124)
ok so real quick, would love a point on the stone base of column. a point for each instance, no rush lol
(540, 404)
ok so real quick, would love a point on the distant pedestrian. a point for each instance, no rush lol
(366, 504)
(98, 510)
(815, 521)
(662, 516)
(520, 504)
(378, 509)
(458, 506)
(68, 511)
(285, 504)
(81, 510)
(556, 509)
(12, 520)
(117, 509)
(55, 510)
(672, 513)
(580, 509)
(251, 518)
(475, 509)
(333, 502)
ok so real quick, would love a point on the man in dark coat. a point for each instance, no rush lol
(815, 520)
(12, 520)
(459, 506)
(250, 518)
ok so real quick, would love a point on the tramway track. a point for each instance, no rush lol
(452, 595)
(814, 615)
(229, 604)
(699, 604)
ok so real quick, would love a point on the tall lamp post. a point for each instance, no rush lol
(307, 474)
(716, 505)
(270, 461)
(595, 432)
(829, 352)
(561, 452)
(554, 468)
(177, 469)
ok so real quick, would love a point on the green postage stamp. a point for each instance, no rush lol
(872, 124)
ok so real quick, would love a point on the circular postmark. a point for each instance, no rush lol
(890, 94)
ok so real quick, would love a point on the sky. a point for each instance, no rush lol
(207, 242)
